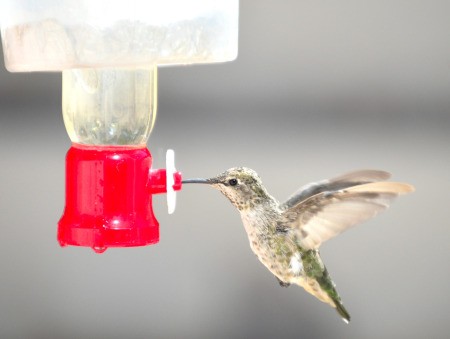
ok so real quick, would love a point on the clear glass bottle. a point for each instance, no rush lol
(109, 106)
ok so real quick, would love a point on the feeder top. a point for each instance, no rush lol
(54, 35)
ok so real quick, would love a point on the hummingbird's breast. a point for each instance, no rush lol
(274, 249)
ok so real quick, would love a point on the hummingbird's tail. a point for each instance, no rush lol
(318, 282)
(324, 289)
(329, 286)
(342, 311)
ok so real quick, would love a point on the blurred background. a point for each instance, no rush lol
(319, 88)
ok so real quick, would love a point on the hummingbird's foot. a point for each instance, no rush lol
(282, 283)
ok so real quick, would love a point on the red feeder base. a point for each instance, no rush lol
(109, 197)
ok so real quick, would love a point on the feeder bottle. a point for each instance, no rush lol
(108, 52)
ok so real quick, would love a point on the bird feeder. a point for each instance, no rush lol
(108, 53)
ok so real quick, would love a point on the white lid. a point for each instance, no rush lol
(52, 35)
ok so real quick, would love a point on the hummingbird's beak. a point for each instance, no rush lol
(196, 181)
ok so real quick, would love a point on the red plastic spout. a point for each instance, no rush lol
(109, 197)
(157, 182)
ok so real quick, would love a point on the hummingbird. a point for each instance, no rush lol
(286, 236)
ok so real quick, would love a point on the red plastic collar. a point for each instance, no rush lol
(109, 197)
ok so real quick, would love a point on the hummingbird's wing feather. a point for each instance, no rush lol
(327, 214)
(338, 183)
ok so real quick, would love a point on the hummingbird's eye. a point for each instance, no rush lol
(232, 182)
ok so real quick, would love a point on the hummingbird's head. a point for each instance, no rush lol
(241, 185)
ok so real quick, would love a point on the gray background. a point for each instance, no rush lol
(319, 88)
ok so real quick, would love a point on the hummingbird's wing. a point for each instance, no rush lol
(343, 181)
(327, 214)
